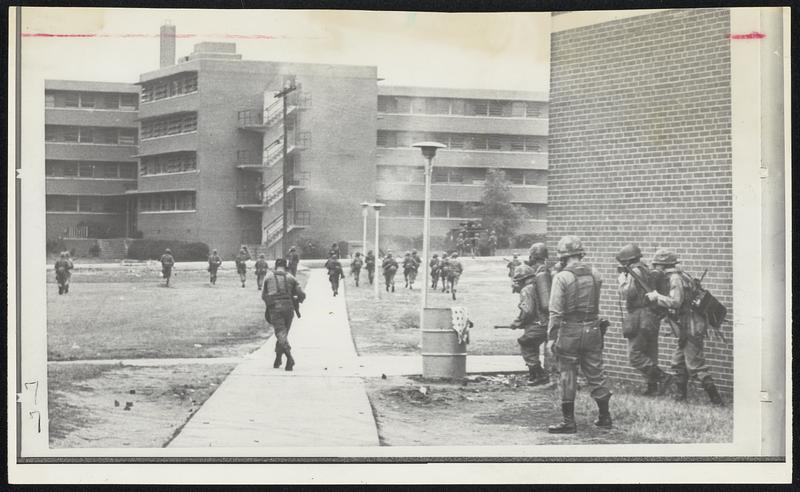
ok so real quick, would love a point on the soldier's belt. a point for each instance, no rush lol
(579, 318)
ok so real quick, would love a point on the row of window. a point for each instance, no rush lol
(169, 125)
(461, 107)
(459, 210)
(95, 170)
(164, 202)
(91, 100)
(465, 141)
(177, 85)
(168, 163)
(459, 175)
(84, 204)
(90, 135)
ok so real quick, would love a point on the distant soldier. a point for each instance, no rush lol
(369, 264)
(641, 324)
(576, 334)
(389, 267)
(214, 262)
(63, 268)
(281, 291)
(454, 271)
(335, 273)
(167, 262)
(261, 270)
(444, 266)
(461, 243)
(294, 260)
(688, 360)
(512, 265)
(434, 266)
(534, 282)
(492, 243)
(410, 267)
(334, 250)
(355, 267)
(241, 264)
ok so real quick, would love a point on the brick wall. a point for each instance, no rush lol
(640, 151)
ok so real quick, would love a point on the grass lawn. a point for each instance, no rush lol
(391, 325)
(131, 314)
(83, 412)
(502, 410)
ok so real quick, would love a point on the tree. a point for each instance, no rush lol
(496, 211)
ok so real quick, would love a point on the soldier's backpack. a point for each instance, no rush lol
(703, 302)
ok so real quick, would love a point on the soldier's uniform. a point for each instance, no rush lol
(369, 264)
(576, 336)
(444, 266)
(434, 266)
(688, 360)
(492, 244)
(512, 266)
(167, 262)
(261, 267)
(641, 325)
(454, 271)
(389, 267)
(241, 264)
(534, 315)
(279, 293)
(410, 267)
(355, 267)
(214, 262)
(63, 267)
(294, 260)
(334, 273)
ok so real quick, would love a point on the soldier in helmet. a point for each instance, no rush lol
(261, 270)
(641, 325)
(576, 334)
(444, 266)
(293, 261)
(410, 266)
(355, 267)
(335, 272)
(492, 243)
(63, 267)
(241, 264)
(214, 262)
(688, 360)
(512, 265)
(389, 267)
(454, 271)
(280, 291)
(534, 313)
(434, 266)
(167, 262)
(369, 264)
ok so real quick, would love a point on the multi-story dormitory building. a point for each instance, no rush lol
(210, 152)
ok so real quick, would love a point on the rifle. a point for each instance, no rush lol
(674, 325)
(505, 327)
(697, 301)
(296, 305)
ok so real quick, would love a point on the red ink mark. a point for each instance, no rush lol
(135, 35)
(752, 35)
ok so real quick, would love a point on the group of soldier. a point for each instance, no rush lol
(560, 307)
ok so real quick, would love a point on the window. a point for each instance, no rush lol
(186, 201)
(439, 175)
(535, 177)
(494, 142)
(533, 144)
(128, 101)
(71, 99)
(458, 107)
(387, 104)
(190, 123)
(535, 110)
(87, 100)
(50, 134)
(109, 101)
(517, 144)
(456, 141)
(437, 106)
(438, 209)
(477, 108)
(518, 109)
(86, 135)
(403, 105)
(418, 105)
(173, 86)
(174, 165)
(69, 134)
(416, 209)
(51, 168)
(61, 203)
(387, 139)
(86, 170)
(105, 136)
(514, 176)
(170, 125)
(456, 209)
(49, 100)
(110, 171)
(127, 136)
(495, 108)
(70, 169)
(127, 171)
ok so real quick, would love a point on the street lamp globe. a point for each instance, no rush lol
(429, 148)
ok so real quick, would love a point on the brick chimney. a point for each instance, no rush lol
(167, 44)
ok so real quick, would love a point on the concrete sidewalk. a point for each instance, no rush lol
(312, 406)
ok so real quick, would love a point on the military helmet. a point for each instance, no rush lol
(569, 246)
(516, 255)
(435, 255)
(408, 253)
(168, 251)
(629, 252)
(538, 251)
(523, 272)
(63, 254)
(261, 256)
(665, 257)
(280, 262)
(213, 252)
(453, 255)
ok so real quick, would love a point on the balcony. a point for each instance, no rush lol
(407, 156)
(455, 192)
(462, 124)
(274, 191)
(260, 121)
(273, 154)
(90, 117)
(250, 199)
(298, 181)
(86, 186)
(273, 231)
(73, 151)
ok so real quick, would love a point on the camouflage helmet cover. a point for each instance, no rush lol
(629, 252)
(538, 251)
(523, 272)
(569, 246)
(665, 257)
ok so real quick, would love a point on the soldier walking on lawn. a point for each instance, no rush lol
(167, 262)
(454, 271)
(444, 266)
(641, 324)
(63, 267)
(410, 267)
(261, 270)
(355, 267)
(689, 359)
(335, 272)
(369, 263)
(434, 266)
(280, 291)
(241, 264)
(214, 262)
(576, 334)
(389, 267)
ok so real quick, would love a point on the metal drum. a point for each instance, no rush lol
(442, 355)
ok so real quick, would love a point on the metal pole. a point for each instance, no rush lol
(364, 235)
(377, 249)
(426, 232)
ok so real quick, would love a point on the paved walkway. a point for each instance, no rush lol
(322, 402)
(317, 404)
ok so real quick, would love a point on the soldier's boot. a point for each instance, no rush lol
(392, 287)
(665, 382)
(289, 361)
(60, 290)
(567, 424)
(278, 360)
(537, 376)
(454, 294)
(603, 415)
(66, 289)
(652, 389)
(713, 392)
(681, 389)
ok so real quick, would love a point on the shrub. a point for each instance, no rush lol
(55, 246)
(94, 251)
(152, 249)
(526, 240)
(407, 320)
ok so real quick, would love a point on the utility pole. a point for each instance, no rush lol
(288, 89)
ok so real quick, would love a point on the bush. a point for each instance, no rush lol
(407, 320)
(55, 246)
(94, 251)
(151, 249)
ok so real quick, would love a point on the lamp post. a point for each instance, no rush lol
(377, 207)
(428, 151)
(364, 213)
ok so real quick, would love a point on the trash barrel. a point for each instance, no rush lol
(442, 354)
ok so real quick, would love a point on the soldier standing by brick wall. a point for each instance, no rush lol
(576, 334)
(641, 324)
(688, 360)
